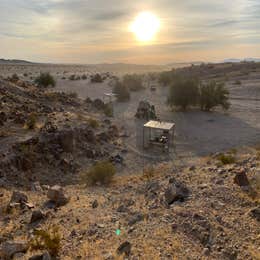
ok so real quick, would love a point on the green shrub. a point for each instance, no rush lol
(93, 122)
(238, 82)
(102, 172)
(212, 95)
(226, 158)
(45, 80)
(121, 91)
(15, 77)
(183, 92)
(165, 78)
(108, 110)
(72, 77)
(49, 240)
(84, 77)
(96, 78)
(133, 82)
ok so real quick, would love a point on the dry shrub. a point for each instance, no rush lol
(102, 172)
(49, 240)
(149, 172)
(226, 158)
(31, 121)
(93, 123)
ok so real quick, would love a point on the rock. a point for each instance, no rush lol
(122, 208)
(10, 248)
(241, 179)
(137, 217)
(19, 197)
(94, 204)
(67, 141)
(256, 213)
(57, 196)
(44, 256)
(36, 187)
(124, 248)
(206, 251)
(37, 215)
(176, 192)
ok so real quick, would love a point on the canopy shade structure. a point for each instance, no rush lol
(160, 125)
(158, 133)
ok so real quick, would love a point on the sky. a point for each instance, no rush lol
(97, 31)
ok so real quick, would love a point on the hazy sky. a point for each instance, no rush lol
(94, 31)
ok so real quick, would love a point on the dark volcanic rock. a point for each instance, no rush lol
(176, 192)
(256, 213)
(241, 179)
(124, 248)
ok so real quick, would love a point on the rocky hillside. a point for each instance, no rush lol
(49, 137)
(210, 210)
(207, 211)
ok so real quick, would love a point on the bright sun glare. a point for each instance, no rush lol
(145, 26)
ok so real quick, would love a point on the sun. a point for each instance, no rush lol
(145, 26)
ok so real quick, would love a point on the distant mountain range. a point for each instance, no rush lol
(240, 60)
(4, 61)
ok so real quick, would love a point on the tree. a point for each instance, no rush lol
(213, 94)
(96, 78)
(183, 92)
(45, 80)
(166, 77)
(133, 82)
(121, 91)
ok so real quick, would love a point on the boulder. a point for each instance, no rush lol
(176, 192)
(10, 248)
(56, 195)
(137, 217)
(124, 248)
(241, 179)
(44, 256)
(256, 213)
(37, 215)
(19, 197)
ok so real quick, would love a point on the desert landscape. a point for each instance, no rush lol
(129, 130)
(200, 199)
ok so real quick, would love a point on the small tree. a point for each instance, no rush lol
(183, 93)
(45, 80)
(212, 95)
(96, 78)
(165, 78)
(121, 91)
(133, 82)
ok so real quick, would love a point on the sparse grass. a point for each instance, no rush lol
(102, 172)
(149, 172)
(93, 123)
(49, 240)
(31, 121)
(226, 158)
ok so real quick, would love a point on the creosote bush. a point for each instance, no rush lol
(93, 122)
(101, 172)
(49, 240)
(226, 158)
(121, 91)
(108, 110)
(133, 82)
(45, 80)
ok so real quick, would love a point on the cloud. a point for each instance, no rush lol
(100, 28)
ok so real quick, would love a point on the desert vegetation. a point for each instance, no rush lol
(45, 80)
